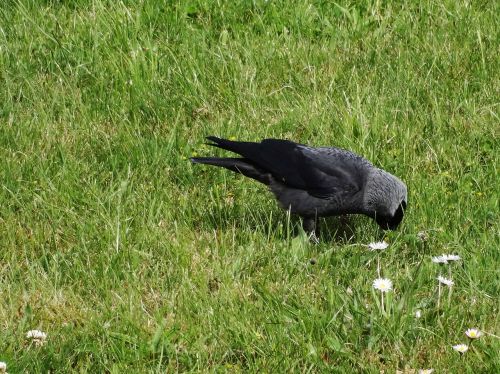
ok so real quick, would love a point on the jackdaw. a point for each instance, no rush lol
(316, 182)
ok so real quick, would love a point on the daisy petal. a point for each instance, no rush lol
(382, 284)
(378, 246)
(445, 281)
(439, 260)
(461, 348)
(473, 333)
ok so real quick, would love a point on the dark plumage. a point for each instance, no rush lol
(316, 182)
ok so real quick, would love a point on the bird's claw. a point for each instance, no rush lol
(313, 238)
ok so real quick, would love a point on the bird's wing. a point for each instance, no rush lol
(332, 171)
(323, 172)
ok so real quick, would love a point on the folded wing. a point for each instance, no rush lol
(321, 172)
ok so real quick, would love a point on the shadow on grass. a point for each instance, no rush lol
(277, 225)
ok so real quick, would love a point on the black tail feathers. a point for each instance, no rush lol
(237, 165)
(243, 148)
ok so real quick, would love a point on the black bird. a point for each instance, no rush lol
(316, 182)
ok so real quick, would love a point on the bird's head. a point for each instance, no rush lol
(391, 222)
(386, 199)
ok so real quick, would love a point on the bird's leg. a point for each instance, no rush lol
(311, 227)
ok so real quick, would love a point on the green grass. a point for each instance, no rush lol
(133, 260)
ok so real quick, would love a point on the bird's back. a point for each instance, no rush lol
(345, 177)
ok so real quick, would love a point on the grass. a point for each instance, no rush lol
(133, 260)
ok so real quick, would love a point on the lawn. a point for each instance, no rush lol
(133, 260)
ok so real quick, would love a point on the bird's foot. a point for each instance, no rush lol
(313, 238)
(310, 226)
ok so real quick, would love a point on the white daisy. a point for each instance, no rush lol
(38, 337)
(418, 313)
(440, 259)
(444, 259)
(452, 257)
(36, 334)
(3, 367)
(378, 246)
(445, 281)
(473, 333)
(461, 348)
(382, 284)
(425, 371)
